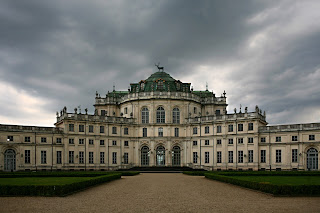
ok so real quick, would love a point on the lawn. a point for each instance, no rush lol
(42, 180)
(282, 180)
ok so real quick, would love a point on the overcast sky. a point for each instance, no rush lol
(58, 53)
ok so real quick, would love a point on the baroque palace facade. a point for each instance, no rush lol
(160, 121)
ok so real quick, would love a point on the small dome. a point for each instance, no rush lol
(160, 75)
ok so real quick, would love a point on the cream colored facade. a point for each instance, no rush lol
(160, 122)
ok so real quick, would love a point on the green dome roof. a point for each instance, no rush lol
(160, 75)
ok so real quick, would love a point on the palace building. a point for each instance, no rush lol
(160, 122)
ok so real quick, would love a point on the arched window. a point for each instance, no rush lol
(145, 155)
(145, 115)
(176, 116)
(161, 115)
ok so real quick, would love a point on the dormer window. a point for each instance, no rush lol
(142, 86)
(178, 86)
(160, 85)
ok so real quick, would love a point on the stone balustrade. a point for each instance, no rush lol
(290, 127)
(95, 118)
(19, 128)
(159, 95)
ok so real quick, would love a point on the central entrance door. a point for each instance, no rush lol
(9, 160)
(161, 156)
(312, 159)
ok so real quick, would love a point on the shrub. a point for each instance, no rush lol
(291, 190)
(195, 173)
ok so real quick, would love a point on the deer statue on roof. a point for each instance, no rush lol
(159, 68)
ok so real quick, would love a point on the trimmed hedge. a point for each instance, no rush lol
(291, 190)
(127, 173)
(195, 173)
(52, 190)
(54, 174)
(268, 173)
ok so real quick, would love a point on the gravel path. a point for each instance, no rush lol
(162, 193)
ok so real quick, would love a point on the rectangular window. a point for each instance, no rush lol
(71, 141)
(10, 138)
(278, 156)
(218, 141)
(125, 158)
(195, 143)
(91, 142)
(230, 128)
(250, 156)
(294, 138)
(43, 157)
(43, 140)
(114, 143)
(194, 110)
(176, 132)
(240, 127)
(101, 129)
(125, 110)
(263, 156)
(103, 112)
(126, 143)
(26, 156)
(91, 157)
(126, 131)
(294, 156)
(101, 157)
(278, 139)
(81, 141)
(240, 140)
(206, 130)
(250, 140)
(81, 128)
(311, 138)
(27, 139)
(144, 132)
(91, 128)
(219, 129)
(160, 132)
(59, 140)
(81, 157)
(218, 112)
(59, 157)
(230, 155)
(250, 126)
(71, 127)
(206, 157)
(195, 130)
(230, 141)
(114, 158)
(114, 130)
(240, 156)
(263, 140)
(206, 142)
(71, 156)
(219, 157)
(195, 157)
(101, 142)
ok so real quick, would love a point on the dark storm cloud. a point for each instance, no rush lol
(63, 51)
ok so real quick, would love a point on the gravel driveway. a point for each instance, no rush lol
(162, 192)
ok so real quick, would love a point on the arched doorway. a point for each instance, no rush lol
(312, 159)
(176, 156)
(145, 156)
(9, 160)
(161, 156)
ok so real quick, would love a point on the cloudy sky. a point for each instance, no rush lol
(58, 53)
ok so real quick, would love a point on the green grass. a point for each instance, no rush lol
(42, 180)
(282, 180)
